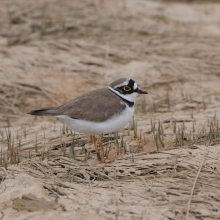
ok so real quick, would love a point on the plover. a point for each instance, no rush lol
(98, 112)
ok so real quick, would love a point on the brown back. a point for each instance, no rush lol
(96, 106)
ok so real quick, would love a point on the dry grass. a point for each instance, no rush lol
(166, 178)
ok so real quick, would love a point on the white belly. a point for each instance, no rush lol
(113, 124)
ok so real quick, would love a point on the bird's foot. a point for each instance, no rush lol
(106, 161)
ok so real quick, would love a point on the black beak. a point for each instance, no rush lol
(141, 92)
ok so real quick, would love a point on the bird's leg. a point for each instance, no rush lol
(101, 148)
(96, 149)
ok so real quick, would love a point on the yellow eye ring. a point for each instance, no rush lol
(127, 88)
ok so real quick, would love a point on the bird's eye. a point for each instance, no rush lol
(127, 88)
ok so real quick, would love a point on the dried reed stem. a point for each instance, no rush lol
(194, 184)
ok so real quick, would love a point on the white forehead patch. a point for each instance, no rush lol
(135, 86)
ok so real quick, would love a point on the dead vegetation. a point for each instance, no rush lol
(166, 161)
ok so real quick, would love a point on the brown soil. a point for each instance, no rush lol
(167, 166)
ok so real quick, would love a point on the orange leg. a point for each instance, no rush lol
(96, 149)
(101, 149)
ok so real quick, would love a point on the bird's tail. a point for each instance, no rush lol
(51, 111)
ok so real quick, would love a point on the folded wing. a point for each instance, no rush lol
(98, 106)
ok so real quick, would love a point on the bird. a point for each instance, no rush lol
(98, 112)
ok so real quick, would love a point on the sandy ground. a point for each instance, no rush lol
(167, 166)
